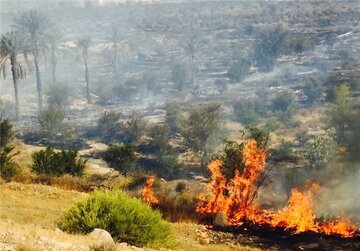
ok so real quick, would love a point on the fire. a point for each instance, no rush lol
(147, 193)
(236, 199)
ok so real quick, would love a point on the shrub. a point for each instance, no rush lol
(320, 150)
(238, 70)
(108, 125)
(284, 105)
(57, 163)
(8, 168)
(202, 123)
(127, 219)
(59, 94)
(173, 116)
(51, 119)
(134, 127)
(120, 156)
(244, 111)
(6, 132)
(180, 187)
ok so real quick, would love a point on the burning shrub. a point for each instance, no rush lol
(126, 219)
(57, 163)
(235, 198)
(147, 194)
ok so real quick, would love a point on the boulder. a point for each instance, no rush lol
(102, 236)
(220, 220)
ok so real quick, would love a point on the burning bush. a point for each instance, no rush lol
(126, 219)
(235, 198)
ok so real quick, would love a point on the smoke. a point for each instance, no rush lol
(341, 197)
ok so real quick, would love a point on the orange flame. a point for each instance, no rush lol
(147, 193)
(235, 198)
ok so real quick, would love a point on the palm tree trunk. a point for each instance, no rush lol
(15, 77)
(87, 80)
(53, 65)
(192, 69)
(38, 82)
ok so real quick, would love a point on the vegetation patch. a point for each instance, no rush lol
(127, 219)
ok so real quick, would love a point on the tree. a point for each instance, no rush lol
(84, 44)
(202, 123)
(339, 112)
(284, 106)
(11, 46)
(244, 111)
(313, 90)
(179, 75)
(238, 70)
(36, 27)
(191, 48)
(268, 47)
(320, 150)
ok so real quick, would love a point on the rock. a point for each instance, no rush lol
(220, 220)
(102, 236)
(202, 238)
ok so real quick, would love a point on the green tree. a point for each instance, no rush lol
(191, 48)
(202, 122)
(313, 90)
(340, 111)
(244, 111)
(320, 150)
(238, 71)
(11, 46)
(268, 47)
(284, 105)
(36, 28)
(84, 44)
(179, 75)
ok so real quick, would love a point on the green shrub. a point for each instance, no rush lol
(202, 123)
(51, 119)
(59, 94)
(8, 168)
(120, 156)
(238, 71)
(244, 111)
(173, 116)
(108, 125)
(180, 187)
(57, 163)
(6, 132)
(127, 219)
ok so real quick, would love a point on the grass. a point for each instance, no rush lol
(29, 212)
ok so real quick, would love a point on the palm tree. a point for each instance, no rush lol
(36, 27)
(84, 44)
(191, 48)
(11, 45)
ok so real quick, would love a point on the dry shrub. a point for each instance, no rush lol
(177, 207)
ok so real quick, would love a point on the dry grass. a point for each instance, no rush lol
(34, 204)
(29, 212)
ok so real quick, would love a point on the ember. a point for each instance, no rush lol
(236, 199)
(147, 193)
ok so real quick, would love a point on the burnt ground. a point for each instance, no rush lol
(278, 239)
